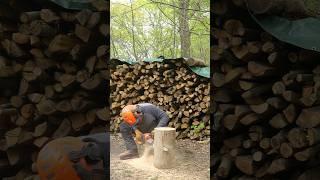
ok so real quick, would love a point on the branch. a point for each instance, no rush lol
(130, 10)
(174, 23)
(206, 11)
(192, 32)
(203, 23)
(165, 14)
(120, 4)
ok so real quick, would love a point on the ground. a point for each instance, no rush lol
(193, 162)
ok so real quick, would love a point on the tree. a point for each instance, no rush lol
(150, 28)
(132, 29)
(184, 28)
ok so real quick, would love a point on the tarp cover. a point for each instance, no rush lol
(304, 33)
(201, 71)
(74, 4)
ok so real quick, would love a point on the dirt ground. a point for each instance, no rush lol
(192, 159)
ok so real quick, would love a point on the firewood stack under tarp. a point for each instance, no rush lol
(266, 102)
(53, 75)
(172, 86)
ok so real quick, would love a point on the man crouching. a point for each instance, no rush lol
(140, 119)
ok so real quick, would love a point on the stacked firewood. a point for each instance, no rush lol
(267, 102)
(53, 74)
(172, 86)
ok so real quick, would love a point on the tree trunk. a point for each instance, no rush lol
(132, 30)
(184, 29)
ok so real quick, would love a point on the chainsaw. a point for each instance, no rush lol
(147, 138)
(147, 143)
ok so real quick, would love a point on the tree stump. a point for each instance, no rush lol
(164, 147)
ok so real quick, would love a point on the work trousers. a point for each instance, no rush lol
(126, 131)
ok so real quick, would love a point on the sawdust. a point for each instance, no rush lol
(145, 162)
(192, 159)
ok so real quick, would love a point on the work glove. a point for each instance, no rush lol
(139, 136)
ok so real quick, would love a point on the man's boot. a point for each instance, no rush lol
(129, 154)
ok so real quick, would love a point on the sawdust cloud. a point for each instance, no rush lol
(146, 160)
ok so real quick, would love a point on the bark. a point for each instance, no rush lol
(184, 28)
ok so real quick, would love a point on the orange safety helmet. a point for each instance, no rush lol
(129, 117)
(53, 161)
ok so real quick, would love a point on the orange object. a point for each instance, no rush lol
(128, 117)
(53, 162)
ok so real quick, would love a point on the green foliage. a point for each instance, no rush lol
(312, 7)
(155, 28)
(198, 128)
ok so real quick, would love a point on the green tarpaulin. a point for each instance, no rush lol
(74, 4)
(304, 33)
(201, 71)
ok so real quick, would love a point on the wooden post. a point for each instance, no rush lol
(164, 147)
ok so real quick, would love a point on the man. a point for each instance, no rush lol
(75, 158)
(140, 119)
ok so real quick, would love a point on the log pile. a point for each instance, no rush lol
(266, 102)
(53, 74)
(172, 86)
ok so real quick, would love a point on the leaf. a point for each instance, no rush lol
(201, 126)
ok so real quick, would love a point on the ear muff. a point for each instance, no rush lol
(53, 162)
(129, 117)
(138, 120)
